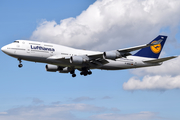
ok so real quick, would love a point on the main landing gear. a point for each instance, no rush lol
(85, 72)
(20, 65)
(73, 73)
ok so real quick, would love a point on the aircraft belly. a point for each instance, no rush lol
(112, 65)
(118, 65)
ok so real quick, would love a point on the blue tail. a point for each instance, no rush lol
(152, 51)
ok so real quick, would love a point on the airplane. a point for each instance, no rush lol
(66, 59)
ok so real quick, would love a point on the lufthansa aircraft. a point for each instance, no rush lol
(66, 60)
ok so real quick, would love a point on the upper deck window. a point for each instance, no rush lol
(16, 41)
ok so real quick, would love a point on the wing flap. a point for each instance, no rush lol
(95, 56)
(98, 62)
(160, 60)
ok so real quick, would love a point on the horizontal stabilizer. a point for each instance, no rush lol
(160, 60)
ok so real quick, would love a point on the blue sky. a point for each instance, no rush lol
(32, 93)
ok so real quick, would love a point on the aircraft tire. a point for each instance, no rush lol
(73, 75)
(20, 65)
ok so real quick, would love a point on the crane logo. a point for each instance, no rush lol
(156, 48)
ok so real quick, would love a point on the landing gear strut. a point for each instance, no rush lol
(73, 73)
(20, 65)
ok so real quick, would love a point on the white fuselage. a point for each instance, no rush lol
(42, 52)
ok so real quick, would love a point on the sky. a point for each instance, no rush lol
(31, 92)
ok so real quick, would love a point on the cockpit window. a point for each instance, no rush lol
(16, 41)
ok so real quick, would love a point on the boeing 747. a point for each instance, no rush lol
(66, 60)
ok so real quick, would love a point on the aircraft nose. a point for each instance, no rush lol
(3, 48)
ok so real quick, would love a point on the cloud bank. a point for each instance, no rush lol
(145, 115)
(66, 112)
(163, 77)
(112, 24)
(153, 83)
(49, 112)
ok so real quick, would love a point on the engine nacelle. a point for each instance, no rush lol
(112, 55)
(52, 68)
(79, 59)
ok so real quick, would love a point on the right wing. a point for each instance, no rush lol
(160, 60)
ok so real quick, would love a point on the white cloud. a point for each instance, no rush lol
(3, 113)
(162, 77)
(112, 24)
(170, 67)
(153, 83)
(136, 116)
(55, 103)
(107, 97)
(80, 99)
(51, 112)
(37, 101)
(68, 112)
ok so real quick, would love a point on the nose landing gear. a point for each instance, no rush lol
(20, 65)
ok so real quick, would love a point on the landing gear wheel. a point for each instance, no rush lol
(20, 65)
(73, 75)
(81, 73)
(89, 72)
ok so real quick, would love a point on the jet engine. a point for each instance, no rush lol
(52, 68)
(112, 55)
(79, 59)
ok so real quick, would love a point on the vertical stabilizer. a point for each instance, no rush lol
(152, 51)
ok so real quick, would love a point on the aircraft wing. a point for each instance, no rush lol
(94, 59)
(125, 50)
(97, 58)
(130, 49)
(160, 60)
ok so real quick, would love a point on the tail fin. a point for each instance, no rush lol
(152, 51)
